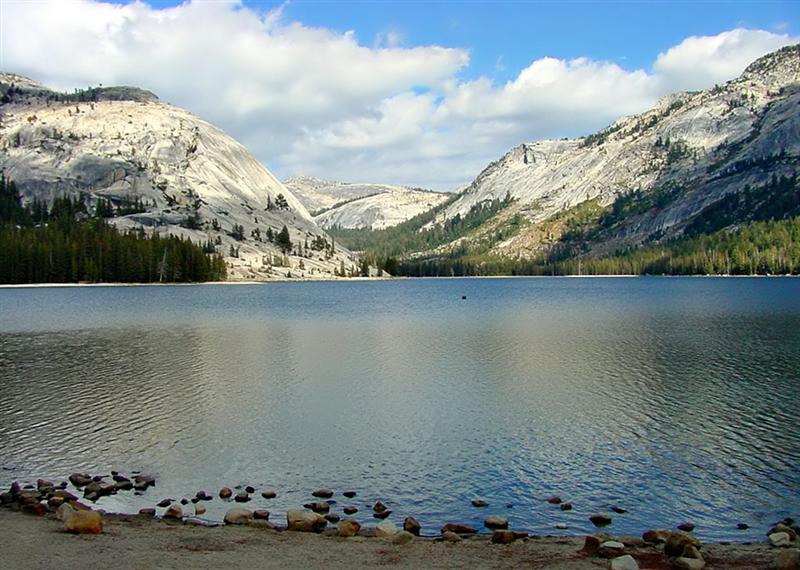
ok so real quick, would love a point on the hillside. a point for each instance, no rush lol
(353, 205)
(159, 168)
(642, 180)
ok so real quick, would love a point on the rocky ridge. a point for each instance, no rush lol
(185, 176)
(356, 205)
(692, 148)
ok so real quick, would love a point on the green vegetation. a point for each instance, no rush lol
(63, 243)
(755, 231)
(383, 247)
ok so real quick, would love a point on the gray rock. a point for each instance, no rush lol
(626, 562)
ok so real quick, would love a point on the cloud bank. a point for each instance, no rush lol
(309, 100)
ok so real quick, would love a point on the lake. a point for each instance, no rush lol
(677, 399)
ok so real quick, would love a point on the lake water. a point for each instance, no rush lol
(676, 399)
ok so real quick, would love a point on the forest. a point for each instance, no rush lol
(63, 242)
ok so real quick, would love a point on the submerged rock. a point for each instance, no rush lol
(554, 500)
(318, 507)
(269, 494)
(350, 510)
(600, 520)
(479, 503)
(242, 497)
(164, 503)
(410, 524)
(322, 493)
(566, 506)
(382, 514)
(349, 494)
(225, 493)
(458, 528)
(379, 507)
(686, 526)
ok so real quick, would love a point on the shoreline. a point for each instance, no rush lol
(375, 279)
(28, 541)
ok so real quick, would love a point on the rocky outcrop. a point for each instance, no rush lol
(168, 170)
(688, 152)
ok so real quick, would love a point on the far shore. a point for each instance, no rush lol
(373, 279)
(28, 541)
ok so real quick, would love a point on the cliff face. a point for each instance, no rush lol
(691, 149)
(186, 176)
(353, 205)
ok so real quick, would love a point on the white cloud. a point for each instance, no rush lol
(314, 101)
(700, 61)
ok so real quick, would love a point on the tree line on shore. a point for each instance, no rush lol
(64, 242)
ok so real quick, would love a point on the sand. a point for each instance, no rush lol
(27, 541)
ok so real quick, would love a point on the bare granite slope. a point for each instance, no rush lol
(123, 144)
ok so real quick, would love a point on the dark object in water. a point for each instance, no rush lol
(463, 297)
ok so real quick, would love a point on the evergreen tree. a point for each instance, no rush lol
(283, 239)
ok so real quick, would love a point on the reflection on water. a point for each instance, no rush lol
(673, 398)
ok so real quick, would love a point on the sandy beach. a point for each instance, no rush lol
(135, 542)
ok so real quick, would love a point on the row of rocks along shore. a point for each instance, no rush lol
(677, 548)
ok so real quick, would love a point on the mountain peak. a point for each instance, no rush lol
(780, 67)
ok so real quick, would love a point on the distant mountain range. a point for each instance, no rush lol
(163, 169)
(355, 205)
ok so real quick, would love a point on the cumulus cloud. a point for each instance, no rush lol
(309, 100)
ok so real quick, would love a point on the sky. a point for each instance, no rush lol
(408, 92)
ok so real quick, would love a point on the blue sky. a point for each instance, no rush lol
(514, 33)
(418, 93)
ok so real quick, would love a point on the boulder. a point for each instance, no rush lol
(742, 526)
(242, 497)
(349, 510)
(631, 541)
(80, 479)
(55, 502)
(686, 526)
(610, 549)
(411, 525)
(691, 551)
(184, 501)
(249, 490)
(173, 512)
(780, 539)
(83, 522)
(239, 516)
(656, 536)
(269, 494)
(164, 503)
(385, 529)
(349, 494)
(479, 503)
(305, 521)
(199, 509)
(501, 536)
(348, 528)
(147, 512)
(780, 527)
(600, 520)
(682, 563)
(626, 562)
(225, 493)
(203, 496)
(126, 485)
(66, 495)
(565, 506)
(448, 536)
(322, 493)
(379, 507)
(592, 543)
(7, 498)
(677, 542)
(141, 481)
(261, 514)
(318, 507)
(495, 522)
(554, 500)
(332, 518)
(458, 529)
(37, 509)
(402, 537)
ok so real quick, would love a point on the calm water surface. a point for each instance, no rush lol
(677, 399)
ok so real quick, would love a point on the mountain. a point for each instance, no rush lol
(162, 169)
(645, 179)
(354, 205)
